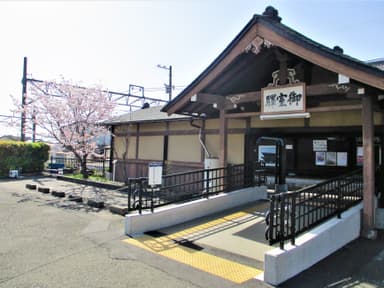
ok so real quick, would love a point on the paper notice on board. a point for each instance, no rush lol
(342, 159)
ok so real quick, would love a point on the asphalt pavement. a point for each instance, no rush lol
(50, 242)
(46, 242)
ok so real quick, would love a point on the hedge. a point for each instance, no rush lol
(30, 157)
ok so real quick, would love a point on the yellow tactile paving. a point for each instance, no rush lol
(232, 271)
(168, 247)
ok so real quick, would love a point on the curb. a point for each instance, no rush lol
(90, 183)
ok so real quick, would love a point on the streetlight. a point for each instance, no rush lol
(168, 88)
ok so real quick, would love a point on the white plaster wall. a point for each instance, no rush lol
(310, 248)
(168, 216)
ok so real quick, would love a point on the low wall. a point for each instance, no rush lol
(172, 215)
(310, 248)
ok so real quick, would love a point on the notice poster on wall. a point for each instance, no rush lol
(320, 145)
(359, 156)
(342, 159)
(320, 158)
(331, 159)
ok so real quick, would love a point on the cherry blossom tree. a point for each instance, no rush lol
(70, 114)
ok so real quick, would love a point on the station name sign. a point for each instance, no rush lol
(283, 99)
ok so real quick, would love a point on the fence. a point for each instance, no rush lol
(197, 184)
(295, 212)
(100, 166)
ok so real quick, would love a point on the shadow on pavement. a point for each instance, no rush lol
(358, 264)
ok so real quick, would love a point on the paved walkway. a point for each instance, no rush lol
(52, 242)
(47, 243)
(110, 197)
(229, 244)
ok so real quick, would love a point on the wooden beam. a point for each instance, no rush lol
(335, 108)
(246, 97)
(207, 98)
(315, 109)
(228, 101)
(242, 115)
(329, 88)
(223, 138)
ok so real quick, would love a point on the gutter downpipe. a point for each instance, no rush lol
(207, 154)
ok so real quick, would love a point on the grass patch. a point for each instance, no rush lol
(96, 178)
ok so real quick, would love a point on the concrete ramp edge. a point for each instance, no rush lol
(136, 223)
(313, 246)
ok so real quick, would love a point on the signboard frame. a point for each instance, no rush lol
(283, 99)
(155, 173)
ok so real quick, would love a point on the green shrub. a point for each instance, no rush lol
(30, 157)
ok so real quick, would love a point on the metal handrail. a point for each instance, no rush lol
(292, 213)
(187, 186)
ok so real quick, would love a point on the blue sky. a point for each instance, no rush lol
(117, 43)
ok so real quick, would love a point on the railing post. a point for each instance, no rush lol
(293, 219)
(129, 194)
(272, 216)
(228, 176)
(207, 180)
(252, 168)
(103, 167)
(339, 196)
(281, 224)
(140, 194)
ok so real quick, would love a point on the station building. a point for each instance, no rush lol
(270, 81)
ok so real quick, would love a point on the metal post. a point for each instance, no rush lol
(129, 194)
(281, 220)
(33, 127)
(170, 83)
(339, 196)
(293, 219)
(140, 194)
(23, 100)
(272, 216)
(229, 175)
(207, 181)
(169, 90)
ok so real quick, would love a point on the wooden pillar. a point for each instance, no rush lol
(368, 168)
(136, 170)
(165, 149)
(137, 141)
(223, 138)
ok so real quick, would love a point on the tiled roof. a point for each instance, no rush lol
(274, 24)
(151, 114)
(304, 41)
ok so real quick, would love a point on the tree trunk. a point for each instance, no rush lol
(84, 167)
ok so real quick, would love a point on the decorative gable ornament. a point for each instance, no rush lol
(257, 44)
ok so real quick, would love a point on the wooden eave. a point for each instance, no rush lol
(319, 59)
(287, 39)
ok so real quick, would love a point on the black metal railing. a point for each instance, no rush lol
(180, 187)
(99, 166)
(292, 213)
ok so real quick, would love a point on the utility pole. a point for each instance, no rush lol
(168, 87)
(23, 100)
